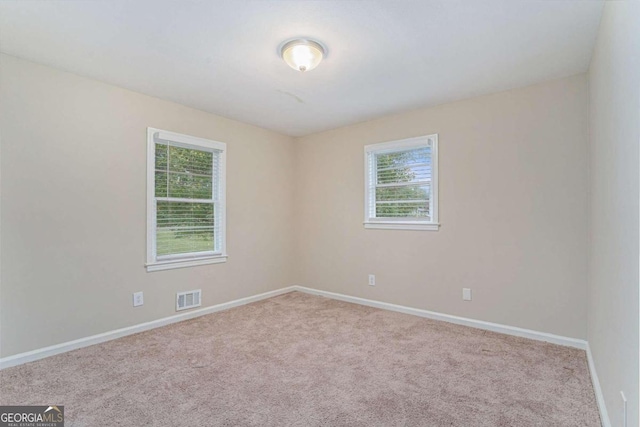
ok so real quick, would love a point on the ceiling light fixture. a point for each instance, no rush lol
(302, 54)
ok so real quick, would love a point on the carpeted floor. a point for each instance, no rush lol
(302, 360)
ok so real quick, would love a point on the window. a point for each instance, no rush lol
(185, 201)
(401, 184)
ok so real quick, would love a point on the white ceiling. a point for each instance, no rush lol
(383, 56)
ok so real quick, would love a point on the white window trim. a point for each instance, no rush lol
(187, 260)
(389, 224)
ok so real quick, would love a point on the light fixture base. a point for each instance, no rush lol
(302, 54)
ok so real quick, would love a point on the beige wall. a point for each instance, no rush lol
(513, 208)
(73, 208)
(513, 200)
(614, 220)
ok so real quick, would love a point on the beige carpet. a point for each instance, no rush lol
(301, 360)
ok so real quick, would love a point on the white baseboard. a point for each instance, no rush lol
(495, 327)
(33, 355)
(604, 416)
(41, 353)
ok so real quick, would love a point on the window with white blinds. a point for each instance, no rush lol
(401, 184)
(185, 201)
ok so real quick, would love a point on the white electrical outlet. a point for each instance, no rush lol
(466, 294)
(372, 280)
(624, 409)
(138, 299)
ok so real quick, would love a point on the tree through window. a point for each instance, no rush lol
(401, 187)
(186, 202)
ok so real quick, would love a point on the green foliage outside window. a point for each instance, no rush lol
(183, 226)
(411, 169)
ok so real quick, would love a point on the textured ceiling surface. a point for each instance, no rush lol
(383, 56)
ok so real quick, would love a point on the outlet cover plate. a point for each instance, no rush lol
(138, 299)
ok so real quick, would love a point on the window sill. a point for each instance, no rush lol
(397, 225)
(169, 265)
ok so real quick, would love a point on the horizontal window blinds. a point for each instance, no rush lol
(400, 183)
(187, 201)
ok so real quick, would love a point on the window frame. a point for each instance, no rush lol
(187, 259)
(401, 224)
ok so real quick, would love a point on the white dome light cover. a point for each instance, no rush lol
(302, 54)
